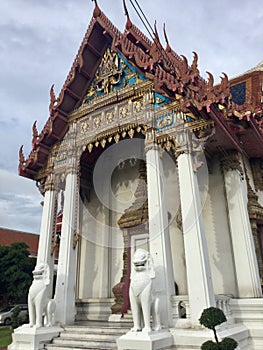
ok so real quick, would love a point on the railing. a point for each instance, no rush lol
(181, 308)
(223, 303)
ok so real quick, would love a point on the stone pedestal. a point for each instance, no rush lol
(145, 341)
(189, 339)
(31, 338)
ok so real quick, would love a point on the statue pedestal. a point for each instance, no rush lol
(145, 341)
(31, 338)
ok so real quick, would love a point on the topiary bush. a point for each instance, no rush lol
(228, 344)
(210, 345)
(210, 318)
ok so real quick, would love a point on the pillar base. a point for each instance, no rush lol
(32, 338)
(145, 341)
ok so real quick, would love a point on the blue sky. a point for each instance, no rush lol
(38, 43)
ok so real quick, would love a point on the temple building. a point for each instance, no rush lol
(139, 150)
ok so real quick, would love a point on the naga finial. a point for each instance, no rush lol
(35, 132)
(53, 98)
(194, 65)
(224, 79)
(21, 156)
(168, 47)
(156, 36)
(185, 61)
(97, 11)
(210, 82)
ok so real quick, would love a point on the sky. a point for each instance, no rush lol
(38, 43)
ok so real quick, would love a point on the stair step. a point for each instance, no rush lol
(85, 343)
(96, 330)
(63, 347)
(90, 335)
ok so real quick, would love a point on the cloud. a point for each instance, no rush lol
(19, 203)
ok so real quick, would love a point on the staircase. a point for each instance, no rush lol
(89, 335)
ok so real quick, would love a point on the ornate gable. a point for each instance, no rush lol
(114, 73)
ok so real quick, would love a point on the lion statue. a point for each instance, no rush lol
(39, 303)
(143, 305)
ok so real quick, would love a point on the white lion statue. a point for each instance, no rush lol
(39, 303)
(143, 305)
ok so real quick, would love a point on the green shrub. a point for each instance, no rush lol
(210, 345)
(228, 344)
(16, 321)
(210, 318)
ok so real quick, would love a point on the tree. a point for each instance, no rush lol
(210, 318)
(15, 272)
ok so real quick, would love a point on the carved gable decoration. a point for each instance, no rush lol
(114, 73)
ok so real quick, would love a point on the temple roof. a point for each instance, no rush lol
(257, 68)
(171, 75)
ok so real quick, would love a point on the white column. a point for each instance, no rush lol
(46, 229)
(67, 264)
(159, 239)
(199, 280)
(246, 266)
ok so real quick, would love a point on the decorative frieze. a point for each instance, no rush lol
(164, 122)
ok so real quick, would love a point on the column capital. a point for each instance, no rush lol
(46, 184)
(231, 161)
(150, 140)
(183, 142)
(72, 169)
(72, 163)
(50, 183)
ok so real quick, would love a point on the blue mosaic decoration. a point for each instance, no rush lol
(238, 93)
(164, 122)
(160, 100)
(114, 73)
(188, 118)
